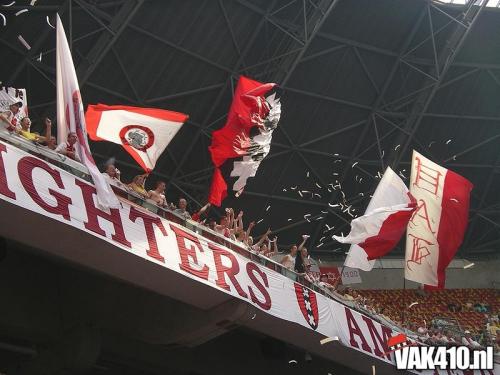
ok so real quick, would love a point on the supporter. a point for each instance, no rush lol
(288, 260)
(201, 215)
(223, 226)
(9, 117)
(158, 194)
(469, 341)
(112, 175)
(257, 246)
(323, 283)
(266, 249)
(24, 130)
(68, 148)
(51, 142)
(454, 307)
(301, 256)
(181, 210)
(468, 306)
(137, 185)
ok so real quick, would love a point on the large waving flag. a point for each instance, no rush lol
(70, 116)
(381, 227)
(245, 140)
(143, 132)
(437, 226)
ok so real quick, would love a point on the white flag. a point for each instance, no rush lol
(70, 117)
(381, 227)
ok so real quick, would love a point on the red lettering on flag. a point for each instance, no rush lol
(420, 250)
(426, 178)
(422, 212)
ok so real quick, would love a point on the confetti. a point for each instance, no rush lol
(260, 221)
(9, 5)
(354, 164)
(335, 174)
(253, 317)
(284, 189)
(319, 245)
(412, 304)
(333, 205)
(337, 161)
(317, 195)
(396, 148)
(268, 207)
(454, 157)
(335, 154)
(362, 194)
(48, 21)
(318, 185)
(293, 187)
(329, 190)
(321, 239)
(360, 179)
(329, 228)
(402, 175)
(454, 200)
(324, 212)
(4, 19)
(383, 153)
(33, 2)
(292, 361)
(326, 340)
(300, 193)
(319, 218)
(430, 144)
(39, 59)
(289, 219)
(448, 141)
(21, 12)
(24, 42)
(307, 174)
(306, 217)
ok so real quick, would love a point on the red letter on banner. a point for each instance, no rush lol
(148, 222)
(4, 187)
(252, 268)
(355, 330)
(231, 271)
(186, 253)
(93, 213)
(25, 169)
(377, 340)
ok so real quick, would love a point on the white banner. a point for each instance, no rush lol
(40, 187)
(350, 276)
(9, 95)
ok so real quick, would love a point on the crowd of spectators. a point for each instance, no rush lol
(297, 258)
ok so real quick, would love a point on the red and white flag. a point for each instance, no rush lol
(437, 226)
(381, 227)
(143, 132)
(245, 140)
(70, 116)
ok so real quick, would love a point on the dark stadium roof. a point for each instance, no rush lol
(360, 79)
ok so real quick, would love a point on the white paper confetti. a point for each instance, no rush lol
(412, 304)
(254, 315)
(335, 154)
(306, 217)
(24, 42)
(326, 340)
(9, 5)
(33, 2)
(284, 190)
(292, 361)
(448, 141)
(318, 185)
(300, 193)
(319, 218)
(354, 164)
(337, 161)
(289, 219)
(268, 207)
(293, 187)
(333, 205)
(21, 12)
(39, 58)
(307, 174)
(396, 148)
(454, 200)
(335, 174)
(362, 194)
(3, 19)
(317, 195)
(260, 221)
(48, 22)
(454, 157)
(430, 144)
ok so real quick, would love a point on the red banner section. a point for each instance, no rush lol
(40, 187)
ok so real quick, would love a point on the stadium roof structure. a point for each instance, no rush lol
(363, 83)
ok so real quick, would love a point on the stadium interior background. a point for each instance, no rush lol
(362, 83)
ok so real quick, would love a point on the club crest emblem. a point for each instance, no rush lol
(137, 136)
(308, 305)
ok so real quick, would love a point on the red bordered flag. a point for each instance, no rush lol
(143, 132)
